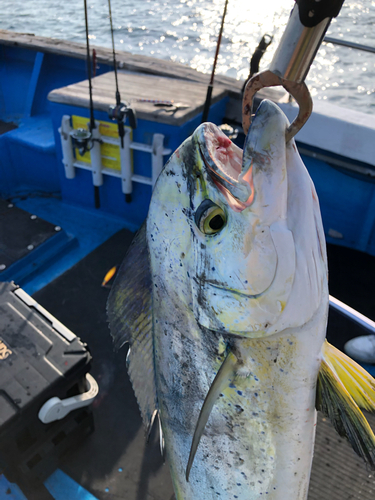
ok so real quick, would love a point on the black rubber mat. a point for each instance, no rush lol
(115, 461)
(20, 233)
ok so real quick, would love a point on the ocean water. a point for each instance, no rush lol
(186, 31)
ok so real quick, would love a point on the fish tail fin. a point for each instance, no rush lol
(343, 388)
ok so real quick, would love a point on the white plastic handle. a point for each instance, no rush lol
(56, 409)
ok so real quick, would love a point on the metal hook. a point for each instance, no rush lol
(299, 91)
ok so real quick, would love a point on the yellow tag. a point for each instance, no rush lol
(110, 153)
(4, 351)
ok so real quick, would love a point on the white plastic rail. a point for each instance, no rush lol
(156, 149)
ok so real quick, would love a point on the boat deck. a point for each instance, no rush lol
(115, 462)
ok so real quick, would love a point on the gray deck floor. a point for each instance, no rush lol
(115, 462)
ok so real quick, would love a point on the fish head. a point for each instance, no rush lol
(235, 237)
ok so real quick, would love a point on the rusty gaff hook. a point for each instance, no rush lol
(299, 91)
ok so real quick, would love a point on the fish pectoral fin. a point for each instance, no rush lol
(335, 401)
(129, 311)
(223, 378)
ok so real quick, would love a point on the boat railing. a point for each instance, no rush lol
(352, 314)
(351, 45)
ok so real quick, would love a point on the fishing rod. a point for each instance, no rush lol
(88, 62)
(120, 111)
(92, 119)
(210, 87)
(84, 140)
(118, 97)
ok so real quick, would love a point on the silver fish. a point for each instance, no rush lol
(223, 298)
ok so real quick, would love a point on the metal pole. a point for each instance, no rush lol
(351, 45)
(291, 62)
(352, 314)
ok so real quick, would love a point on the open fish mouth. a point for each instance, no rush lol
(224, 163)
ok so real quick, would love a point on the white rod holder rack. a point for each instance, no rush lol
(156, 149)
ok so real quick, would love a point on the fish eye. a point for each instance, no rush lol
(210, 218)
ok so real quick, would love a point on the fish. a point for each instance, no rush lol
(223, 300)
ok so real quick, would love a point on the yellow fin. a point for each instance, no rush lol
(357, 381)
(338, 404)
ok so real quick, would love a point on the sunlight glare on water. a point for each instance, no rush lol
(186, 31)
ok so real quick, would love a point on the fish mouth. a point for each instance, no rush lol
(224, 163)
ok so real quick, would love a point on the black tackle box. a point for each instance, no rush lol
(40, 359)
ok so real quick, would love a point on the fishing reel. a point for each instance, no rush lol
(82, 140)
(120, 112)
